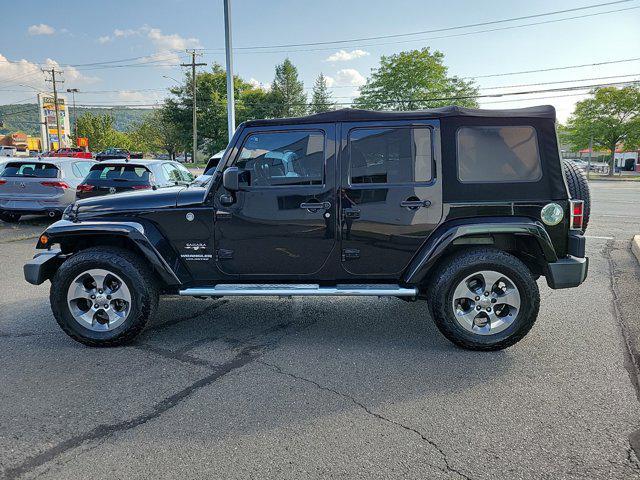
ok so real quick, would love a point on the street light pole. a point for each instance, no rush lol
(231, 112)
(73, 92)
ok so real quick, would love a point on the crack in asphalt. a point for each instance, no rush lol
(244, 357)
(448, 468)
(192, 316)
(631, 356)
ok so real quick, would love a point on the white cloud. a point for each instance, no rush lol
(350, 76)
(125, 33)
(258, 84)
(23, 72)
(171, 41)
(329, 81)
(167, 46)
(344, 56)
(134, 96)
(41, 29)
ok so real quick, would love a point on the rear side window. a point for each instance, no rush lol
(390, 155)
(38, 170)
(507, 154)
(81, 169)
(283, 158)
(131, 173)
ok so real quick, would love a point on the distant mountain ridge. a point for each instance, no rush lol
(24, 117)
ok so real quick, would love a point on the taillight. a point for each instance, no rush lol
(84, 188)
(141, 187)
(2, 182)
(576, 214)
(55, 184)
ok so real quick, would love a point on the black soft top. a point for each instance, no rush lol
(358, 115)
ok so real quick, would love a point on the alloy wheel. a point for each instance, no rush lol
(486, 302)
(99, 300)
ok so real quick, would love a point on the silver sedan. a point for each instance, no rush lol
(39, 186)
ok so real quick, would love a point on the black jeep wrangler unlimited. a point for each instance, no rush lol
(463, 208)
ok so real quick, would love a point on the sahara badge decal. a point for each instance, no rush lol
(197, 252)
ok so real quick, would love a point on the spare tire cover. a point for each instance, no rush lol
(578, 187)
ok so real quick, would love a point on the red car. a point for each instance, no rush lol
(74, 152)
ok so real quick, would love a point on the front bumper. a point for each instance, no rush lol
(567, 272)
(42, 267)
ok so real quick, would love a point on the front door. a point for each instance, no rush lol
(283, 219)
(390, 195)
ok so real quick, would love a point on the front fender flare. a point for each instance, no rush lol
(64, 230)
(433, 249)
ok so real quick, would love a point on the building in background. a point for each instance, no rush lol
(49, 128)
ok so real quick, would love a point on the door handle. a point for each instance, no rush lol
(351, 213)
(415, 204)
(315, 206)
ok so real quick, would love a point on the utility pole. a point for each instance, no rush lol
(54, 82)
(193, 65)
(73, 92)
(231, 111)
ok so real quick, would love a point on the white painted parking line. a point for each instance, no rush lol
(599, 238)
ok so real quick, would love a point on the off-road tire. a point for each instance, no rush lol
(128, 266)
(9, 217)
(466, 262)
(578, 188)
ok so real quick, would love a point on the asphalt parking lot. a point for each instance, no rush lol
(340, 388)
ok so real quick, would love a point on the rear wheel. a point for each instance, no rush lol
(103, 296)
(483, 299)
(10, 217)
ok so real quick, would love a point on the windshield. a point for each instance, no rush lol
(32, 169)
(132, 173)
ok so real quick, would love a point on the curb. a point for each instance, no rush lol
(613, 180)
(635, 247)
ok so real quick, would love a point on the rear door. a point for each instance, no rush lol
(391, 193)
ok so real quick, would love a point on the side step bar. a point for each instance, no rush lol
(304, 290)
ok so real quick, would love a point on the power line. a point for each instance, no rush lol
(437, 30)
(444, 36)
(404, 100)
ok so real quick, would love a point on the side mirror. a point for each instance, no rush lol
(231, 179)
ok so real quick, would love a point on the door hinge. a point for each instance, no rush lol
(222, 254)
(350, 254)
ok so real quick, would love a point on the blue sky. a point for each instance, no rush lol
(81, 32)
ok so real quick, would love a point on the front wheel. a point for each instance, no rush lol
(483, 299)
(103, 297)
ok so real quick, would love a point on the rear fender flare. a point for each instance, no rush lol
(444, 236)
(64, 230)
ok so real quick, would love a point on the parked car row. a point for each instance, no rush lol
(48, 185)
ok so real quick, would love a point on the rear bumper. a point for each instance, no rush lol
(33, 206)
(567, 272)
(42, 267)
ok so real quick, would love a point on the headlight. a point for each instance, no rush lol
(552, 214)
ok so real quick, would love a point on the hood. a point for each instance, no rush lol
(135, 201)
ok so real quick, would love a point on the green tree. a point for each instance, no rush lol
(287, 97)
(101, 132)
(156, 133)
(412, 80)
(211, 101)
(610, 117)
(321, 100)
